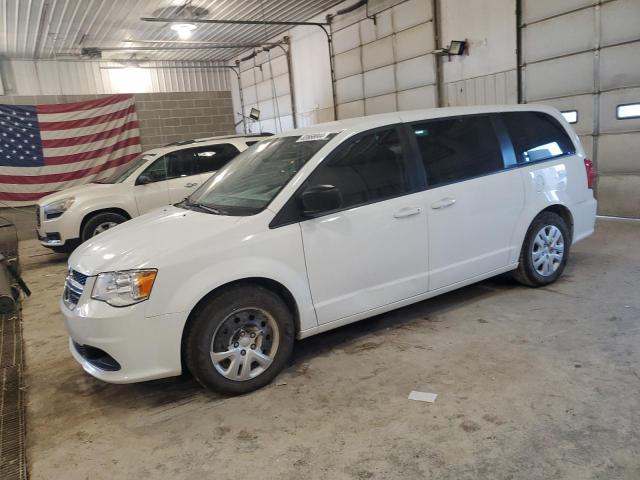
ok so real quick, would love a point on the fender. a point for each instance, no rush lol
(211, 270)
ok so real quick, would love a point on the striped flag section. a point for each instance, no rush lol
(47, 148)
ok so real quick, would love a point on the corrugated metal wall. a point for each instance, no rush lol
(266, 86)
(49, 77)
(386, 65)
(496, 88)
(584, 56)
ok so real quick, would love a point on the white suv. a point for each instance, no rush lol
(316, 228)
(158, 177)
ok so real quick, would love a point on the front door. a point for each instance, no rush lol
(473, 203)
(373, 251)
(154, 194)
(182, 177)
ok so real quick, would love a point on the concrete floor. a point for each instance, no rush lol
(531, 383)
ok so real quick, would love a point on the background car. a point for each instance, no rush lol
(161, 176)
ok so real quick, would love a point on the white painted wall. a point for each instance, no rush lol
(490, 28)
(487, 75)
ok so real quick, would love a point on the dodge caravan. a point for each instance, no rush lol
(319, 227)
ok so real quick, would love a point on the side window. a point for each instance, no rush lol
(180, 163)
(213, 157)
(157, 171)
(458, 148)
(252, 142)
(367, 169)
(536, 136)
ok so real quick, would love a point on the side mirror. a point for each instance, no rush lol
(318, 199)
(143, 179)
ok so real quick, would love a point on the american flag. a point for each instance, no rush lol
(46, 148)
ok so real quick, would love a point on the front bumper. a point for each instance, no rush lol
(144, 348)
(56, 232)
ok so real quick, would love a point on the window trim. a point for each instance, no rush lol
(291, 213)
(634, 117)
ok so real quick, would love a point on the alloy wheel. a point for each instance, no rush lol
(245, 344)
(547, 250)
(103, 227)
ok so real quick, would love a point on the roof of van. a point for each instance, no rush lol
(379, 120)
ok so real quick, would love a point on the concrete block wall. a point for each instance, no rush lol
(171, 117)
(164, 117)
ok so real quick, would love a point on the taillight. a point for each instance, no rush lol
(591, 172)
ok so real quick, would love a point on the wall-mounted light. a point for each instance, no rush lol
(184, 30)
(456, 47)
(254, 114)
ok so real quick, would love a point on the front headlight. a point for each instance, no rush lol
(55, 209)
(121, 289)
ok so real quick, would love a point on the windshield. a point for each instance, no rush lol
(247, 184)
(124, 171)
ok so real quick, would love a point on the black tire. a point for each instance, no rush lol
(527, 273)
(90, 226)
(207, 319)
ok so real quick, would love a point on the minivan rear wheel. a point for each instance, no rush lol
(239, 340)
(544, 252)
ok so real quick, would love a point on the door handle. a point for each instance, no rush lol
(190, 185)
(407, 212)
(444, 203)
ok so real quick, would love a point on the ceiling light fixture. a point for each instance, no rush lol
(184, 30)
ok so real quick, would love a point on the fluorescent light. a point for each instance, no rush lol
(183, 29)
(631, 110)
(570, 116)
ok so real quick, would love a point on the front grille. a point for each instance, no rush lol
(38, 216)
(73, 288)
(81, 278)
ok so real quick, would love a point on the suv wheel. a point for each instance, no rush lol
(544, 252)
(101, 223)
(239, 340)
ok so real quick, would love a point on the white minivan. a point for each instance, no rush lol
(323, 226)
(161, 176)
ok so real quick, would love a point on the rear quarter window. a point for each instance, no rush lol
(537, 136)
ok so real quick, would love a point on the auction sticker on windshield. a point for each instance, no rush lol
(312, 137)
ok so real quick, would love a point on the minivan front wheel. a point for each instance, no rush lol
(239, 340)
(545, 251)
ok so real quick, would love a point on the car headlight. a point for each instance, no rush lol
(121, 289)
(55, 209)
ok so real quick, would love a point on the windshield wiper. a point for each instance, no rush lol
(206, 208)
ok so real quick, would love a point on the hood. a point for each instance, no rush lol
(80, 191)
(141, 242)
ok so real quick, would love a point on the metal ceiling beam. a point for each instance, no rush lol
(231, 22)
(202, 47)
(193, 42)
